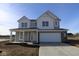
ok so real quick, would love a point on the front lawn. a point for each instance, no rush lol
(19, 49)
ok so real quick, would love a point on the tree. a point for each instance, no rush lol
(69, 34)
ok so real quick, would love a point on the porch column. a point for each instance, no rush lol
(23, 36)
(15, 36)
(19, 35)
(30, 35)
(10, 35)
(37, 36)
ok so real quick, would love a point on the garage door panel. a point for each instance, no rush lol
(50, 37)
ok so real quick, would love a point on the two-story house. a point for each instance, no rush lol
(46, 28)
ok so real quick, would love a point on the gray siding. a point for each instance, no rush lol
(64, 36)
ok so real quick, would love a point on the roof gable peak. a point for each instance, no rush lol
(23, 18)
(48, 11)
(50, 14)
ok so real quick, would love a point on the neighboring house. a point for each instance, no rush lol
(45, 28)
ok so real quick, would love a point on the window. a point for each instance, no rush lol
(45, 23)
(33, 24)
(21, 35)
(56, 23)
(24, 25)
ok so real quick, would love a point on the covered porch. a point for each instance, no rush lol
(24, 35)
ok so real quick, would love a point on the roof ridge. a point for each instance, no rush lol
(50, 14)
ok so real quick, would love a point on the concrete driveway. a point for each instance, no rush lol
(58, 49)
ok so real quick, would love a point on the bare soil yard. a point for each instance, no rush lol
(74, 41)
(19, 49)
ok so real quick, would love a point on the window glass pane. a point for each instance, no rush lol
(56, 22)
(23, 25)
(42, 23)
(33, 24)
(45, 23)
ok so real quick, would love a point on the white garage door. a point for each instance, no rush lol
(50, 37)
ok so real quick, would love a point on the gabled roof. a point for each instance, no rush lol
(47, 12)
(23, 18)
(50, 14)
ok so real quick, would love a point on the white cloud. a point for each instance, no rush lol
(6, 21)
(4, 16)
(4, 30)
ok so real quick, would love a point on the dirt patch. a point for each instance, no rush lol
(12, 49)
(73, 42)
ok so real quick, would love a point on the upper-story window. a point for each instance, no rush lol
(24, 25)
(56, 23)
(45, 23)
(33, 24)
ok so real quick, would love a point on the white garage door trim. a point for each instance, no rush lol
(50, 37)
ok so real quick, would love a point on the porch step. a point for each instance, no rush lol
(28, 43)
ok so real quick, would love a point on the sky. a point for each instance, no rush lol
(10, 13)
